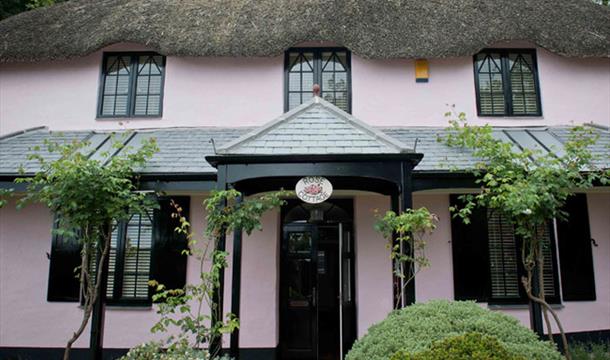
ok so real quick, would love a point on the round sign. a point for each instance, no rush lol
(314, 189)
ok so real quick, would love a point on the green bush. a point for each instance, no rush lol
(590, 351)
(415, 328)
(470, 346)
(154, 351)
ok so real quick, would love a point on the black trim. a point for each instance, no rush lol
(214, 160)
(46, 353)
(131, 95)
(317, 71)
(508, 109)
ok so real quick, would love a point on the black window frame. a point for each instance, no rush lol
(317, 71)
(133, 55)
(486, 278)
(506, 85)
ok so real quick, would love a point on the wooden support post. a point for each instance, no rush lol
(236, 287)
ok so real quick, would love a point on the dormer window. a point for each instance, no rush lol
(507, 83)
(131, 85)
(328, 67)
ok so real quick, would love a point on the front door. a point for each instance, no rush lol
(299, 327)
(317, 291)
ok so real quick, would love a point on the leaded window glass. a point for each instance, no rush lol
(132, 85)
(507, 83)
(330, 68)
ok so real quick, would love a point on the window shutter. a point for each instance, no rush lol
(523, 84)
(503, 258)
(169, 264)
(470, 255)
(490, 84)
(551, 283)
(575, 253)
(64, 284)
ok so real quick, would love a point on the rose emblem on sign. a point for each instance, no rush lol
(314, 189)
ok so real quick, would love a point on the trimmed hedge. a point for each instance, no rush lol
(415, 328)
(471, 346)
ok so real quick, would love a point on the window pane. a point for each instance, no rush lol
(491, 87)
(300, 77)
(523, 85)
(334, 77)
(136, 265)
(502, 257)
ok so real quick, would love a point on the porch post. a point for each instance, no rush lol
(406, 197)
(217, 296)
(396, 281)
(236, 287)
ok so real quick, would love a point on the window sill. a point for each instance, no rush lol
(518, 306)
(511, 117)
(128, 118)
(126, 307)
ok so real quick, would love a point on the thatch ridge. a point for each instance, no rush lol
(370, 28)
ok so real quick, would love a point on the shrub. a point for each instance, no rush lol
(416, 327)
(590, 351)
(154, 351)
(470, 346)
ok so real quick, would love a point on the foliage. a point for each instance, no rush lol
(87, 195)
(529, 187)
(590, 351)
(4, 196)
(415, 328)
(193, 311)
(153, 351)
(14, 7)
(407, 231)
(470, 346)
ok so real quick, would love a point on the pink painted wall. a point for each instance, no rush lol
(249, 91)
(437, 280)
(26, 318)
(373, 265)
(259, 318)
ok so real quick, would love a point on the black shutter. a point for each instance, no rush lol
(470, 255)
(575, 255)
(64, 284)
(169, 263)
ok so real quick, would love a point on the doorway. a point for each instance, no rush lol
(317, 285)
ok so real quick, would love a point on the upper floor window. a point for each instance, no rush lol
(328, 67)
(131, 85)
(507, 83)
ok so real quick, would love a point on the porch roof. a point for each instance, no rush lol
(182, 151)
(316, 127)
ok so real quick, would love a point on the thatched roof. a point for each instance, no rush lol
(370, 28)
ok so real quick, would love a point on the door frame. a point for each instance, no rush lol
(352, 316)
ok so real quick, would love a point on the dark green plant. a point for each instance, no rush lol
(590, 351)
(406, 231)
(191, 315)
(87, 196)
(529, 187)
(470, 346)
(417, 327)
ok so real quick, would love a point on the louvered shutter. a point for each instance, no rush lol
(523, 84)
(503, 259)
(169, 264)
(470, 256)
(575, 254)
(490, 84)
(64, 284)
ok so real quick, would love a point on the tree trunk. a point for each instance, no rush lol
(91, 290)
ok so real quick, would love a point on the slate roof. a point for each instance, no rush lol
(313, 128)
(182, 151)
